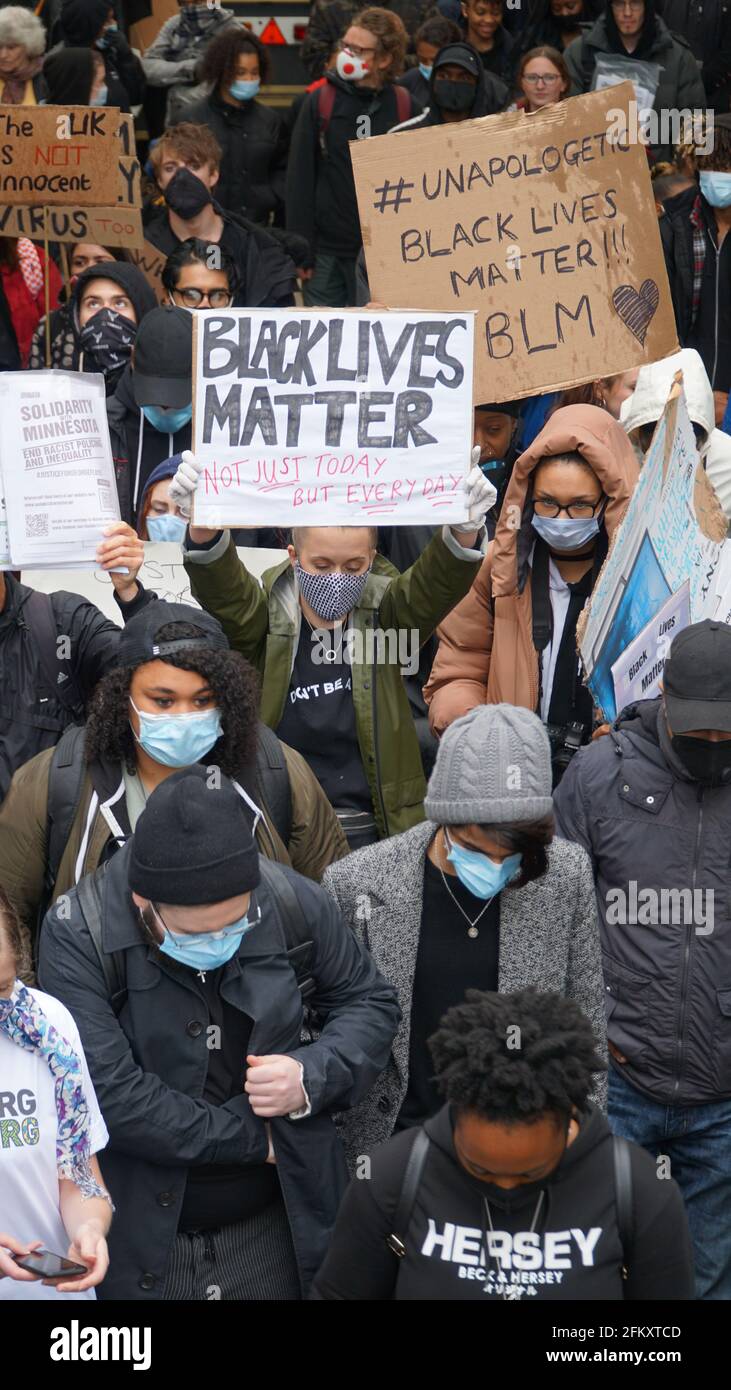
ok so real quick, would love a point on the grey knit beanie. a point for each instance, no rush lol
(493, 767)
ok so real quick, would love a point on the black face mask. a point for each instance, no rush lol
(186, 195)
(454, 96)
(566, 23)
(706, 761)
(107, 341)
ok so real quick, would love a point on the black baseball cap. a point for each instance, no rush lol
(163, 360)
(511, 408)
(462, 56)
(697, 679)
(139, 642)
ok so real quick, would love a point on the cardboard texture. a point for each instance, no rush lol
(61, 155)
(545, 224)
(151, 262)
(111, 226)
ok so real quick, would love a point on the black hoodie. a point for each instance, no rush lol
(575, 1251)
(137, 447)
(135, 286)
(491, 94)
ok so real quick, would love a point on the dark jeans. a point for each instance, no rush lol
(333, 285)
(697, 1141)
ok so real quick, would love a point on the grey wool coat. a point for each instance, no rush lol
(549, 938)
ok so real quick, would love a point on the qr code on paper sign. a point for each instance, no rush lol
(36, 524)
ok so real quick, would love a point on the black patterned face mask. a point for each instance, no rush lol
(331, 596)
(107, 341)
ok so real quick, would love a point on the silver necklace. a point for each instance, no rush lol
(511, 1291)
(472, 925)
(330, 656)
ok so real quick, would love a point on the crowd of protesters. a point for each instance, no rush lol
(317, 988)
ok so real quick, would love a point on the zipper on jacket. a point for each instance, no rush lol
(688, 947)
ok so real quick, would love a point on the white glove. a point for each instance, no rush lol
(481, 496)
(185, 482)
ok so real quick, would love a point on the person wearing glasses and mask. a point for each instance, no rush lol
(632, 29)
(199, 275)
(320, 199)
(480, 894)
(223, 1158)
(513, 638)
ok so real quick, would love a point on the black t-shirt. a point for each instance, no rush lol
(319, 721)
(220, 1194)
(448, 962)
(573, 1252)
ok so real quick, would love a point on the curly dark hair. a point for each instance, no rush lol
(17, 938)
(233, 681)
(222, 56)
(478, 1069)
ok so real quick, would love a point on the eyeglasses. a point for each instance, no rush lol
(547, 79)
(354, 49)
(545, 506)
(216, 299)
(185, 939)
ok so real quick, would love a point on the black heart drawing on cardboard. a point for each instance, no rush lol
(637, 310)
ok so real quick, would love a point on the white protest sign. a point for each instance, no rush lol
(331, 418)
(57, 469)
(5, 563)
(671, 536)
(162, 571)
(638, 672)
(719, 605)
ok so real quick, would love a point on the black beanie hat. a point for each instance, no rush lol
(193, 844)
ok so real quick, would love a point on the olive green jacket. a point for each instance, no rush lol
(262, 622)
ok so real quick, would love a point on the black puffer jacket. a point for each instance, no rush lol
(149, 1066)
(652, 831)
(706, 25)
(32, 717)
(254, 163)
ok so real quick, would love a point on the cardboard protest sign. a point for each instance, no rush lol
(151, 262)
(545, 224)
(162, 571)
(61, 154)
(130, 171)
(113, 226)
(56, 465)
(660, 569)
(327, 418)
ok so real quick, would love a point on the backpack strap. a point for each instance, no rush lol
(272, 777)
(623, 1197)
(89, 897)
(65, 789)
(325, 105)
(396, 1241)
(57, 671)
(300, 946)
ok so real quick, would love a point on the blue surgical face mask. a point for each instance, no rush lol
(245, 91)
(103, 40)
(177, 740)
(426, 70)
(566, 532)
(166, 419)
(101, 97)
(166, 528)
(479, 874)
(205, 950)
(716, 189)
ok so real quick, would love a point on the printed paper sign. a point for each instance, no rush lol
(325, 418)
(671, 537)
(638, 672)
(59, 483)
(545, 224)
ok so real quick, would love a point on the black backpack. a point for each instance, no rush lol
(300, 946)
(66, 786)
(623, 1195)
(57, 673)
